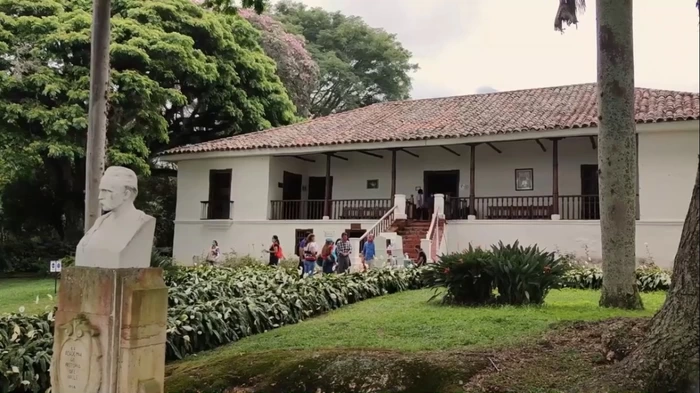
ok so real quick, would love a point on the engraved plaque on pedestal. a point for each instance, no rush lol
(77, 366)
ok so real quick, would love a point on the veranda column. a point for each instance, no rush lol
(555, 178)
(472, 182)
(393, 173)
(327, 196)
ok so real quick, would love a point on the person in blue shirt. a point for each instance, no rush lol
(368, 252)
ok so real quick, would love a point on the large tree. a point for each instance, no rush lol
(295, 66)
(360, 65)
(617, 153)
(669, 357)
(179, 74)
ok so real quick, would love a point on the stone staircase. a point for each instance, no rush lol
(411, 233)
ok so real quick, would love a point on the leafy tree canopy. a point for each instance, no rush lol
(179, 74)
(359, 65)
(295, 66)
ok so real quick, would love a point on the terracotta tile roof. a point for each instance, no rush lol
(564, 107)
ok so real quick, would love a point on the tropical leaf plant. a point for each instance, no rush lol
(524, 275)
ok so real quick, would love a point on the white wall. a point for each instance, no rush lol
(657, 241)
(249, 186)
(194, 237)
(668, 162)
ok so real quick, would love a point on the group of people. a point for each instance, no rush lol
(332, 257)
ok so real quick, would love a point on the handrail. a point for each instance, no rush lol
(433, 236)
(378, 223)
(429, 235)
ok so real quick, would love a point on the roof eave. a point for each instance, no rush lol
(679, 125)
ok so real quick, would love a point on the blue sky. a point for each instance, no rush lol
(470, 46)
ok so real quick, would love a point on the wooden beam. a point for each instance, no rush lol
(539, 142)
(370, 154)
(410, 153)
(472, 180)
(555, 176)
(327, 196)
(337, 156)
(494, 147)
(393, 175)
(304, 159)
(451, 151)
(593, 142)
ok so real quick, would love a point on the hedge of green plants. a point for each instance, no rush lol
(649, 278)
(208, 307)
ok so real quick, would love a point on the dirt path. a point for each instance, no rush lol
(577, 357)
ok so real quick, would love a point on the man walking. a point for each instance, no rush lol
(368, 251)
(344, 251)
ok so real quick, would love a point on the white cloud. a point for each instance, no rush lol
(462, 45)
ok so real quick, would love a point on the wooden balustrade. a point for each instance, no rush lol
(570, 207)
(340, 209)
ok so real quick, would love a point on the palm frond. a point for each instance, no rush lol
(566, 13)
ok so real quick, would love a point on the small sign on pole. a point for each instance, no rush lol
(55, 268)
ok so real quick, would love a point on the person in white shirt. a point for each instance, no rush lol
(389, 253)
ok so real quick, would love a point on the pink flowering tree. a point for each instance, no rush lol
(295, 66)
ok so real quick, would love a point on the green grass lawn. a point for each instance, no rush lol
(395, 332)
(23, 292)
(407, 322)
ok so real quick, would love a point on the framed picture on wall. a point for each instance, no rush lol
(524, 180)
(372, 184)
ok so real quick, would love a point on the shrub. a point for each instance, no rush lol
(652, 278)
(581, 277)
(463, 277)
(208, 307)
(524, 275)
(649, 278)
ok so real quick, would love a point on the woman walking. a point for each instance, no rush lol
(310, 255)
(327, 256)
(214, 253)
(275, 251)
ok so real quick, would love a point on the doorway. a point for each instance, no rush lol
(291, 196)
(590, 200)
(317, 195)
(441, 182)
(219, 205)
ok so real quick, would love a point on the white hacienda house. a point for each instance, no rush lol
(518, 165)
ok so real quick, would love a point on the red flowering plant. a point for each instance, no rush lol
(460, 278)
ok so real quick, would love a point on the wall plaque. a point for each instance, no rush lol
(77, 365)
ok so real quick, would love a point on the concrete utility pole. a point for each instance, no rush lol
(97, 113)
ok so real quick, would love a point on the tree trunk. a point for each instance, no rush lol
(617, 153)
(668, 358)
(97, 116)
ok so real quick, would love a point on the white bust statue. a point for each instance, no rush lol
(123, 237)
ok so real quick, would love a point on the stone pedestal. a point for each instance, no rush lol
(110, 331)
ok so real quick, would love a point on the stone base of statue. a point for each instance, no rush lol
(110, 331)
